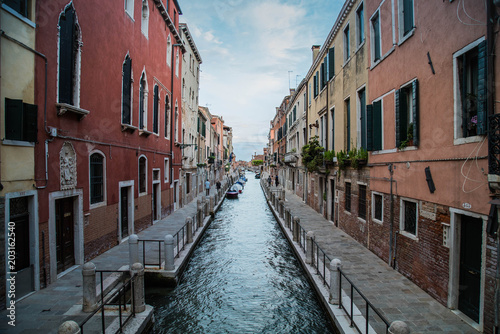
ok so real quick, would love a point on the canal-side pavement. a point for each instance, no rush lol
(392, 293)
(45, 310)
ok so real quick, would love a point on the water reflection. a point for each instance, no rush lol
(242, 278)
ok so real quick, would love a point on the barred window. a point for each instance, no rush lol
(348, 196)
(362, 202)
(142, 175)
(409, 217)
(96, 178)
(377, 207)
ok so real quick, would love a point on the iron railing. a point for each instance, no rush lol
(321, 261)
(382, 320)
(144, 258)
(123, 297)
(180, 239)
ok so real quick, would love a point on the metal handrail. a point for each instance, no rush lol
(368, 304)
(118, 294)
(144, 251)
(181, 241)
(321, 262)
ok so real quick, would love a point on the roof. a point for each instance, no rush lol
(185, 29)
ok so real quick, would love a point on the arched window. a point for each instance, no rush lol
(142, 174)
(127, 91)
(177, 62)
(69, 57)
(145, 18)
(169, 51)
(167, 117)
(96, 171)
(155, 109)
(143, 103)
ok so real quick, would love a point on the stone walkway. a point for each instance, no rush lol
(392, 293)
(45, 310)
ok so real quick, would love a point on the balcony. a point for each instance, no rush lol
(290, 157)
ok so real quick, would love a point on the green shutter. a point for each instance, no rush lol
(369, 127)
(66, 55)
(401, 116)
(415, 112)
(348, 125)
(331, 63)
(155, 110)
(13, 119)
(377, 125)
(482, 88)
(362, 107)
(322, 76)
(127, 82)
(30, 122)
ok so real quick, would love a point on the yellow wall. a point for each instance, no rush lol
(18, 78)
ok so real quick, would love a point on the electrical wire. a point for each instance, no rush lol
(466, 177)
(467, 24)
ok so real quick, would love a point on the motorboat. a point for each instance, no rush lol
(233, 191)
(257, 176)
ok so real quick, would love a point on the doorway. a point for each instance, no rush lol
(124, 212)
(65, 234)
(332, 200)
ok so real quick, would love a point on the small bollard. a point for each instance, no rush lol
(335, 282)
(296, 221)
(189, 228)
(169, 252)
(212, 204)
(399, 327)
(137, 270)
(199, 212)
(280, 208)
(69, 327)
(133, 249)
(89, 284)
(309, 247)
(283, 194)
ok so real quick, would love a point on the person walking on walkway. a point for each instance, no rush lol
(269, 181)
(277, 181)
(218, 185)
(207, 187)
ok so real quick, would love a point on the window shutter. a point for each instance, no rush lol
(141, 106)
(331, 63)
(30, 130)
(377, 125)
(322, 76)
(13, 119)
(401, 116)
(362, 107)
(155, 110)
(294, 113)
(127, 80)
(408, 15)
(66, 56)
(481, 88)
(415, 112)
(369, 127)
(398, 121)
(348, 125)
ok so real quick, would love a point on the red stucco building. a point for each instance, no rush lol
(107, 163)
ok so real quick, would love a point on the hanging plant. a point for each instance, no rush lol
(312, 155)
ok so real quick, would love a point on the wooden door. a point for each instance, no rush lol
(65, 237)
(124, 211)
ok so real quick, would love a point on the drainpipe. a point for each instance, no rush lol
(391, 220)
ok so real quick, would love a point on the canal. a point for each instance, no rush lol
(242, 278)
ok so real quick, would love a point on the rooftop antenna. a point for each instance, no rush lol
(289, 79)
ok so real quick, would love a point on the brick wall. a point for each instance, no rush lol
(489, 293)
(100, 230)
(2, 256)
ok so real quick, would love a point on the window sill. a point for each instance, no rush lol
(19, 16)
(377, 221)
(145, 133)
(362, 220)
(402, 39)
(468, 140)
(97, 205)
(394, 150)
(409, 235)
(128, 127)
(360, 46)
(408, 148)
(374, 64)
(11, 142)
(62, 108)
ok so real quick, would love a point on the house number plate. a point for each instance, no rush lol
(466, 205)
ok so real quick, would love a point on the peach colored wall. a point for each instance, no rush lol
(440, 32)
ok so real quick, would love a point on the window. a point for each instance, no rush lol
(374, 130)
(145, 18)
(321, 131)
(143, 103)
(142, 175)
(129, 8)
(20, 6)
(347, 108)
(362, 202)
(377, 207)
(96, 178)
(348, 196)
(156, 101)
(310, 93)
(362, 116)
(331, 63)
(176, 124)
(376, 40)
(166, 169)
(322, 76)
(347, 49)
(360, 25)
(332, 118)
(294, 113)
(20, 121)
(167, 117)
(405, 18)
(69, 58)
(316, 84)
(177, 62)
(183, 89)
(169, 51)
(409, 216)
(127, 91)
(407, 115)
(470, 90)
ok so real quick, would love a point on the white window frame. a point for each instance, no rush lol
(402, 217)
(145, 102)
(401, 23)
(458, 139)
(169, 51)
(129, 8)
(376, 193)
(104, 193)
(359, 43)
(372, 39)
(145, 18)
(166, 170)
(347, 50)
(131, 90)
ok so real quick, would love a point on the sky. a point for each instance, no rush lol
(253, 52)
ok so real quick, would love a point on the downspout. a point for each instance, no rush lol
(44, 103)
(391, 220)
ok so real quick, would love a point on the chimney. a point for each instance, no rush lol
(315, 50)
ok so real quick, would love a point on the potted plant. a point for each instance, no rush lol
(312, 155)
(329, 157)
(342, 159)
(409, 138)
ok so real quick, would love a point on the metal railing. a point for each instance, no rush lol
(321, 263)
(368, 306)
(180, 240)
(123, 297)
(144, 258)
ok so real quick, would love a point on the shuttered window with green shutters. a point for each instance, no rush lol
(331, 63)
(142, 104)
(407, 124)
(374, 126)
(348, 125)
(322, 76)
(20, 121)
(362, 115)
(68, 48)
(376, 48)
(155, 109)
(472, 75)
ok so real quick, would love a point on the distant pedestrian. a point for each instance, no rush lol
(269, 181)
(277, 181)
(207, 187)
(218, 185)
